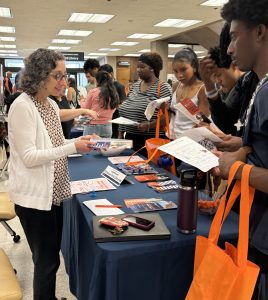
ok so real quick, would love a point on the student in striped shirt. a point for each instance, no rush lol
(142, 92)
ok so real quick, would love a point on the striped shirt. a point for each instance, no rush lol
(135, 105)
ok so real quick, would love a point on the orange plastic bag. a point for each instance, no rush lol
(152, 144)
(226, 274)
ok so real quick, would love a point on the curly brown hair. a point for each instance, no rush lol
(38, 66)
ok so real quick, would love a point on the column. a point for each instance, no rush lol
(161, 47)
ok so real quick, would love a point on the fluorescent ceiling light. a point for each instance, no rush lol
(7, 29)
(8, 51)
(10, 55)
(177, 23)
(90, 18)
(97, 54)
(7, 39)
(5, 12)
(132, 54)
(58, 48)
(62, 41)
(171, 55)
(176, 45)
(145, 50)
(125, 43)
(75, 32)
(198, 52)
(147, 36)
(109, 49)
(169, 23)
(214, 3)
(7, 46)
(91, 56)
(201, 56)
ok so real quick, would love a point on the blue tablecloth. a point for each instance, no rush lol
(134, 270)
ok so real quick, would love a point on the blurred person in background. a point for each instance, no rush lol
(142, 92)
(103, 100)
(73, 94)
(91, 67)
(7, 84)
(121, 94)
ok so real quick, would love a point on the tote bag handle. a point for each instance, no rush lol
(247, 195)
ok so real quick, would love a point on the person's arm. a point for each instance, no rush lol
(22, 135)
(87, 102)
(258, 176)
(69, 114)
(70, 94)
(203, 102)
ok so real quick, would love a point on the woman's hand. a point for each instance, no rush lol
(144, 126)
(88, 112)
(83, 144)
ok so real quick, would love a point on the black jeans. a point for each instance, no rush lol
(43, 230)
(260, 259)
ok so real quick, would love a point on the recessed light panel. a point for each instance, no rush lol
(7, 29)
(75, 32)
(214, 3)
(146, 36)
(7, 46)
(90, 18)
(7, 39)
(5, 12)
(58, 48)
(62, 41)
(125, 44)
(177, 23)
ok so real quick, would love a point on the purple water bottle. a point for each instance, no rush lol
(187, 202)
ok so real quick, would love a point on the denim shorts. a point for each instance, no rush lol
(102, 130)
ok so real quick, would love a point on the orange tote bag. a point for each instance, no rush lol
(226, 274)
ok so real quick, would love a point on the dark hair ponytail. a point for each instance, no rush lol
(108, 92)
(187, 54)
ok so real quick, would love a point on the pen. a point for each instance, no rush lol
(109, 206)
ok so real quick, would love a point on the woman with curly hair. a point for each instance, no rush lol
(38, 170)
(140, 95)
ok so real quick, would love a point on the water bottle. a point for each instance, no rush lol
(187, 202)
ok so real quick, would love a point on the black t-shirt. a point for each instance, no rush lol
(256, 136)
(67, 125)
(120, 90)
(226, 110)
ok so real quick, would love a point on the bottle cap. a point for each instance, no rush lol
(188, 177)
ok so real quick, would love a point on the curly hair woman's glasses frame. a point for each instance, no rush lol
(58, 77)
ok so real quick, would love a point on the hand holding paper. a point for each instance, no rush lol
(192, 153)
(151, 107)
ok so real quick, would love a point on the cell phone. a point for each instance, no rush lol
(138, 222)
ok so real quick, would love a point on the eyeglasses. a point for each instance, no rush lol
(59, 76)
